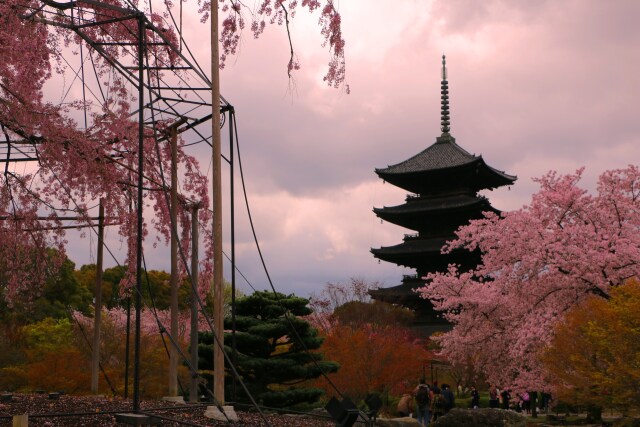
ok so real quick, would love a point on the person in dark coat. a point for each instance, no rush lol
(437, 405)
(506, 397)
(449, 398)
(421, 397)
(493, 397)
(475, 397)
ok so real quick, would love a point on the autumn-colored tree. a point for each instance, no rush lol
(537, 263)
(371, 341)
(55, 354)
(53, 360)
(593, 355)
(154, 358)
(374, 358)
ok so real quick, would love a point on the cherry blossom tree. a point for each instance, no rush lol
(537, 263)
(280, 12)
(80, 164)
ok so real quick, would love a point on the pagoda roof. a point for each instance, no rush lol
(427, 205)
(430, 246)
(399, 294)
(445, 153)
(436, 213)
(402, 290)
(421, 254)
(444, 157)
(424, 254)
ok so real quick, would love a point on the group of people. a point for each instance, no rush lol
(428, 403)
(503, 399)
(499, 398)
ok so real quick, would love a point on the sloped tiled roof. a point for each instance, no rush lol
(436, 204)
(444, 153)
(430, 246)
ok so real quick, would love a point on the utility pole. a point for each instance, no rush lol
(218, 324)
(97, 305)
(193, 387)
(173, 351)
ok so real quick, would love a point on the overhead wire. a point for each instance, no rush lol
(266, 270)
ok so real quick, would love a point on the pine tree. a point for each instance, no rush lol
(271, 359)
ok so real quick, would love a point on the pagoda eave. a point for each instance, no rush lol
(399, 295)
(455, 210)
(475, 175)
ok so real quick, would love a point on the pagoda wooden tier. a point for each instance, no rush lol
(433, 215)
(444, 180)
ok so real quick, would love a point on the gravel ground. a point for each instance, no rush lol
(100, 411)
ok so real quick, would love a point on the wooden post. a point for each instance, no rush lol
(216, 179)
(173, 353)
(193, 386)
(21, 420)
(97, 305)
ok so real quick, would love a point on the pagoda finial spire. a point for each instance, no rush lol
(444, 91)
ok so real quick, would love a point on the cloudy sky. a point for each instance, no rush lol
(534, 86)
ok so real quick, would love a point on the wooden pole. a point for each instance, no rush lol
(21, 420)
(218, 301)
(97, 305)
(193, 387)
(140, 223)
(173, 352)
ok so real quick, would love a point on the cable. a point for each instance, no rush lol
(255, 238)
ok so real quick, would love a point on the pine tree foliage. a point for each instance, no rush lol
(271, 359)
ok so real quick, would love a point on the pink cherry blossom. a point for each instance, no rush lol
(537, 263)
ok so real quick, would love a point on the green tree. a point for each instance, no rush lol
(53, 359)
(271, 359)
(155, 285)
(61, 294)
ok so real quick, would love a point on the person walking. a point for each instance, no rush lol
(421, 396)
(437, 405)
(475, 398)
(506, 399)
(493, 397)
(449, 398)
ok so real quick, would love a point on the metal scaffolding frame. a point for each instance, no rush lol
(169, 91)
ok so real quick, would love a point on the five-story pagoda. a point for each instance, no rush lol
(444, 181)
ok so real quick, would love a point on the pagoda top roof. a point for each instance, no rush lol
(443, 154)
(444, 166)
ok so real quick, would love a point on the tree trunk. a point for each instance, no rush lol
(594, 413)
